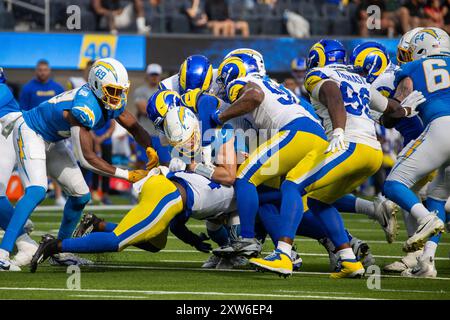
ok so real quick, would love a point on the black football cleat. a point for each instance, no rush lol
(47, 247)
(89, 223)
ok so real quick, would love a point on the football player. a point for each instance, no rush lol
(204, 192)
(333, 169)
(38, 133)
(429, 73)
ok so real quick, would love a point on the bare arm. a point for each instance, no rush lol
(250, 97)
(225, 172)
(394, 112)
(99, 9)
(404, 88)
(130, 123)
(331, 97)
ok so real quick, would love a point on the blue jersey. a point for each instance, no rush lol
(47, 119)
(431, 76)
(7, 102)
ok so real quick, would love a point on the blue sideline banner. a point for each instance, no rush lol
(70, 51)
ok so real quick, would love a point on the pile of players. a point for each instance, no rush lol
(252, 159)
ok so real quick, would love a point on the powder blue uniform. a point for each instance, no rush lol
(431, 150)
(47, 119)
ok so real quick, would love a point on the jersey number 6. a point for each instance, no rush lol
(436, 76)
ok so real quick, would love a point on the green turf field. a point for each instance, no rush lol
(175, 273)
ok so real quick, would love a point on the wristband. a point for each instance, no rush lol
(205, 170)
(121, 173)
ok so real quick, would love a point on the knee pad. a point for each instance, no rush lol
(79, 203)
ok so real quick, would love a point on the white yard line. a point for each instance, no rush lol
(94, 296)
(202, 293)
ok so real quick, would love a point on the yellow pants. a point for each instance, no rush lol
(329, 176)
(278, 155)
(159, 202)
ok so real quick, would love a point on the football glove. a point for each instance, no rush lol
(136, 175)
(412, 101)
(153, 159)
(176, 164)
(337, 142)
(201, 245)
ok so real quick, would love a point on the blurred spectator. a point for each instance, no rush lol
(197, 17)
(446, 5)
(141, 97)
(119, 14)
(143, 93)
(434, 14)
(387, 25)
(220, 22)
(39, 89)
(410, 14)
(291, 84)
(103, 145)
(76, 82)
(298, 71)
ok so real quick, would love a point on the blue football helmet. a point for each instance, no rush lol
(370, 59)
(196, 72)
(2, 76)
(158, 105)
(252, 58)
(231, 69)
(326, 52)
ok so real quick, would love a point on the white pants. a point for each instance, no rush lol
(7, 161)
(37, 159)
(430, 151)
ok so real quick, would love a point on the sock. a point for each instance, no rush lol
(331, 221)
(346, 204)
(410, 223)
(400, 194)
(109, 227)
(235, 231)
(247, 204)
(270, 219)
(346, 254)
(419, 211)
(72, 214)
(92, 243)
(218, 233)
(24, 207)
(439, 207)
(365, 207)
(291, 211)
(6, 212)
(311, 227)
(284, 247)
(430, 249)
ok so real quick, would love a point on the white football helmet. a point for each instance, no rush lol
(108, 79)
(250, 53)
(182, 130)
(428, 42)
(403, 54)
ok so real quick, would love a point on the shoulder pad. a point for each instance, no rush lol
(234, 88)
(190, 98)
(313, 77)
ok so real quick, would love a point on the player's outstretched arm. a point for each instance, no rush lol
(83, 145)
(130, 123)
(248, 99)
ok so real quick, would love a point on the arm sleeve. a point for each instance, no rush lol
(84, 115)
(378, 102)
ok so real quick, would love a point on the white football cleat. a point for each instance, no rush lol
(26, 249)
(28, 227)
(68, 259)
(428, 226)
(7, 265)
(386, 215)
(425, 268)
(407, 262)
(233, 262)
(211, 262)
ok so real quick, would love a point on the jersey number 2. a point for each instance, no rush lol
(436, 77)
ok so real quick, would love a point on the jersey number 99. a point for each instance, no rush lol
(436, 76)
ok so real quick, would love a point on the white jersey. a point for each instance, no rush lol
(384, 83)
(206, 199)
(356, 93)
(279, 107)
